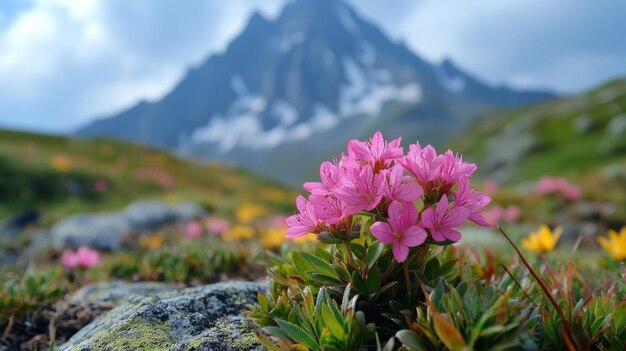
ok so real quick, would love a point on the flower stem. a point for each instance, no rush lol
(406, 277)
(349, 254)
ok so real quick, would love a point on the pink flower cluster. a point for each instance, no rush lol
(558, 185)
(84, 257)
(377, 177)
(498, 214)
(194, 230)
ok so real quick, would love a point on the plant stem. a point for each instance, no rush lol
(406, 277)
(349, 254)
(568, 335)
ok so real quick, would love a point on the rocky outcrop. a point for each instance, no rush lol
(201, 318)
(106, 231)
(117, 292)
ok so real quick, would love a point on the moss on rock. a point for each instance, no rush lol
(202, 318)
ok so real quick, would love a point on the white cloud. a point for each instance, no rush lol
(65, 61)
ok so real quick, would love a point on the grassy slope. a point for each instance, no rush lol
(559, 145)
(132, 171)
(574, 137)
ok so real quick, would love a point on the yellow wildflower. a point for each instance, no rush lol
(248, 212)
(239, 232)
(273, 237)
(543, 240)
(61, 162)
(616, 244)
(152, 242)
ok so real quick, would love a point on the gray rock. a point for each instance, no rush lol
(7, 258)
(117, 292)
(201, 318)
(106, 231)
(101, 231)
(147, 216)
(11, 228)
(617, 125)
(187, 212)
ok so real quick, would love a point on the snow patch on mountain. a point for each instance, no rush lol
(287, 42)
(368, 90)
(454, 84)
(346, 19)
(284, 113)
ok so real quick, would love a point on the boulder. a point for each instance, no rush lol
(14, 225)
(101, 231)
(148, 216)
(118, 291)
(201, 318)
(187, 211)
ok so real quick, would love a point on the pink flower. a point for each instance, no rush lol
(571, 192)
(401, 188)
(363, 191)
(87, 257)
(401, 230)
(101, 186)
(423, 164)
(84, 257)
(440, 221)
(494, 215)
(328, 208)
(330, 174)
(377, 152)
(473, 201)
(490, 187)
(193, 230)
(304, 222)
(69, 259)
(549, 185)
(453, 168)
(511, 214)
(218, 226)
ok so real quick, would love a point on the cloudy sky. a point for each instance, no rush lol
(64, 62)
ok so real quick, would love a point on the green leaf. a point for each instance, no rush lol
(263, 302)
(321, 278)
(410, 339)
(346, 298)
(373, 253)
(342, 273)
(373, 280)
(276, 332)
(301, 265)
(320, 265)
(358, 283)
(297, 334)
(334, 326)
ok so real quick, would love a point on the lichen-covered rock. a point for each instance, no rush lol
(117, 292)
(201, 318)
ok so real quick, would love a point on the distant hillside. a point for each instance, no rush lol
(568, 136)
(306, 82)
(63, 175)
(582, 138)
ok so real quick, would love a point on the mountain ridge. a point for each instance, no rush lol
(316, 71)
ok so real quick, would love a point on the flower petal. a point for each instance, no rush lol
(383, 232)
(400, 252)
(414, 236)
